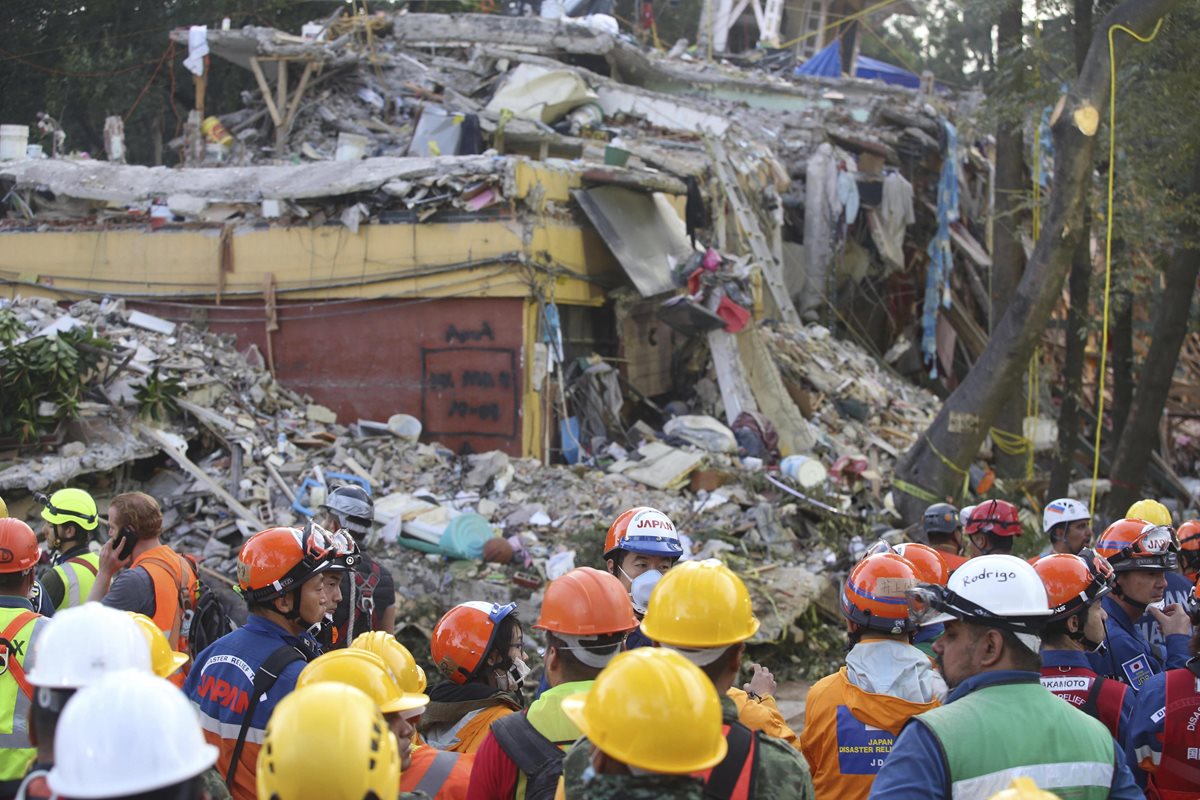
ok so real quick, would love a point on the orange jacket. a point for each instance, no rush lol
(453, 787)
(848, 733)
(762, 715)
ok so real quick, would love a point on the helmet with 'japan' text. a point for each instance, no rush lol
(643, 530)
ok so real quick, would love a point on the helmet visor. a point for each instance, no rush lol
(880, 547)
(939, 604)
(926, 605)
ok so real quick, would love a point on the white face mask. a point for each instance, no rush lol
(513, 678)
(641, 587)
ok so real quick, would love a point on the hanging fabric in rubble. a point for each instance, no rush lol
(941, 260)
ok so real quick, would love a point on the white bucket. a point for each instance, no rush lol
(350, 147)
(14, 141)
(806, 471)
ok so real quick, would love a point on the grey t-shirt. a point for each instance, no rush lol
(132, 590)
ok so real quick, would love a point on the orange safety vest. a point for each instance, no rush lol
(441, 774)
(175, 591)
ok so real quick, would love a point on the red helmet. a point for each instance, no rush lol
(1074, 582)
(643, 530)
(1131, 544)
(586, 602)
(874, 593)
(997, 517)
(1188, 535)
(277, 560)
(928, 563)
(464, 635)
(18, 546)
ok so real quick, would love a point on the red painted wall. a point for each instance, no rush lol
(455, 364)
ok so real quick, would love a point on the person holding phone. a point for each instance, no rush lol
(155, 577)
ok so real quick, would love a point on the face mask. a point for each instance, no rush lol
(518, 672)
(641, 587)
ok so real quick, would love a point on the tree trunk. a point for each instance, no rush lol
(1121, 381)
(1154, 382)
(1008, 260)
(1079, 286)
(959, 428)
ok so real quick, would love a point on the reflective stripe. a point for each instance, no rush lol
(72, 578)
(1046, 776)
(1146, 751)
(19, 738)
(439, 770)
(230, 730)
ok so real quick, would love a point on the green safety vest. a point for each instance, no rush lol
(15, 750)
(77, 579)
(997, 733)
(547, 717)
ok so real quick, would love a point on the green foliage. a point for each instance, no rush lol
(11, 327)
(157, 396)
(44, 369)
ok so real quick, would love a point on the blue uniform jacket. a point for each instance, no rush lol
(916, 768)
(1179, 589)
(1074, 659)
(1129, 657)
(1144, 745)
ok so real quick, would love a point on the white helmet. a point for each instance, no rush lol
(1063, 510)
(80, 645)
(964, 515)
(1000, 591)
(129, 733)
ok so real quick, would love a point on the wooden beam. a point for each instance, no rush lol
(280, 104)
(294, 106)
(263, 87)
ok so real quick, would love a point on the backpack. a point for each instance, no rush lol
(534, 754)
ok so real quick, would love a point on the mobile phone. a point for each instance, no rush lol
(124, 543)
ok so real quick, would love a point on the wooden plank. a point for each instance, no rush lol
(795, 435)
(265, 88)
(294, 106)
(731, 375)
(281, 105)
(167, 446)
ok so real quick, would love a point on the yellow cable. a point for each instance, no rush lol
(837, 24)
(1108, 233)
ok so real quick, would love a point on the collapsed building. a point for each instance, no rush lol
(518, 241)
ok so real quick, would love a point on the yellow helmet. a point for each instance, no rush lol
(408, 673)
(700, 604)
(652, 709)
(1152, 511)
(327, 741)
(3, 508)
(164, 661)
(366, 672)
(1023, 788)
(70, 506)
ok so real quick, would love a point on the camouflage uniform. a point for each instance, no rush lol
(781, 773)
(213, 783)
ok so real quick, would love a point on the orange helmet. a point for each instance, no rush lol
(997, 517)
(1189, 548)
(18, 546)
(1131, 544)
(1074, 582)
(643, 530)
(586, 602)
(277, 560)
(465, 634)
(874, 594)
(928, 563)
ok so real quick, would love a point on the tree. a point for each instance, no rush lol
(938, 459)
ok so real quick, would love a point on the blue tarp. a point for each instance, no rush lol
(828, 64)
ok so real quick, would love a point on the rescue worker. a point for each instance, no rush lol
(944, 532)
(702, 610)
(159, 582)
(71, 518)
(651, 722)
(1188, 535)
(998, 720)
(1179, 588)
(1164, 742)
(585, 615)
(20, 627)
(642, 544)
(991, 528)
(130, 736)
(931, 567)
(368, 590)
(1068, 525)
(370, 674)
(75, 649)
(328, 741)
(1141, 554)
(479, 648)
(852, 717)
(441, 774)
(1075, 586)
(238, 679)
